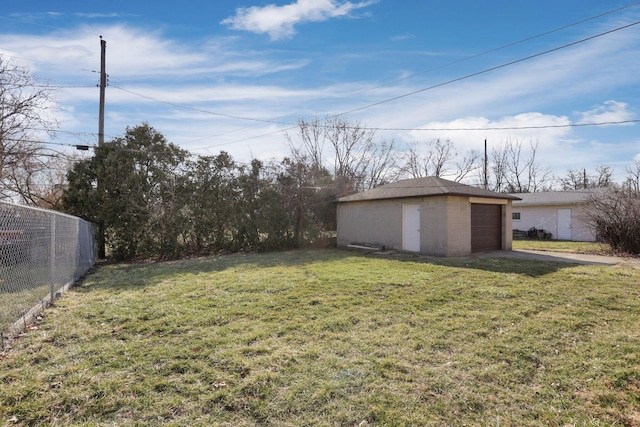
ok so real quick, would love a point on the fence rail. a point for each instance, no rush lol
(41, 253)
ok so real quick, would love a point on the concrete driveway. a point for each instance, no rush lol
(565, 257)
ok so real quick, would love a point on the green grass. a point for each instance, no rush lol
(333, 338)
(19, 292)
(564, 246)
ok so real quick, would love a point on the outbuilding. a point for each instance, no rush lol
(430, 216)
(559, 214)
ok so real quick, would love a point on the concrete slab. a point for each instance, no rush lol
(565, 257)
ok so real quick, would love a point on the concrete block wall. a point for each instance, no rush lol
(458, 226)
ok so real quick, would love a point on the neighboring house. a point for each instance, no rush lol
(557, 212)
(431, 216)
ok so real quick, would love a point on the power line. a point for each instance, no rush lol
(493, 128)
(64, 86)
(33, 141)
(486, 52)
(487, 70)
(404, 78)
(87, 147)
(199, 110)
(62, 131)
(248, 139)
(621, 122)
(448, 82)
(293, 126)
(429, 129)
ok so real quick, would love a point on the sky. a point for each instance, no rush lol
(234, 75)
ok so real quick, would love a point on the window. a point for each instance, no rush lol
(515, 216)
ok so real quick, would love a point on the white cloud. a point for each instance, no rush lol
(130, 52)
(136, 54)
(610, 111)
(280, 21)
(403, 36)
(469, 133)
(211, 75)
(101, 15)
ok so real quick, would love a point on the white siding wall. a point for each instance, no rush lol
(546, 218)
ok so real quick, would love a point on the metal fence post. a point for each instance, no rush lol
(52, 259)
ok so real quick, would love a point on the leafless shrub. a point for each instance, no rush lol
(615, 214)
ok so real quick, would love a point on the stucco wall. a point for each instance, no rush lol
(507, 234)
(449, 226)
(445, 224)
(433, 226)
(546, 218)
(459, 226)
(373, 222)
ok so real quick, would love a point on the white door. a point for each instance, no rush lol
(564, 224)
(411, 228)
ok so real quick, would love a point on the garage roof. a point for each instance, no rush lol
(424, 187)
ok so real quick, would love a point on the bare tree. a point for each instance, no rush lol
(379, 165)
(352, 144)
(498, 170)
(308, 142)
(466, 165)
(24, 111)
(516, 172)
(428, 158)
(38, 179)
(574, 180)
(438, 158)
(356, 159)
(604, 176)
(632, 182)
(577, 179)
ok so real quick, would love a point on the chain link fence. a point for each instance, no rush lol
(41, 253)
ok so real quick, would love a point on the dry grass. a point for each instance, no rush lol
(334, 338)
(564, 246)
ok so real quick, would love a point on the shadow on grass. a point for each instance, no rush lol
(140, 275)
(146, 274)
(498, 262)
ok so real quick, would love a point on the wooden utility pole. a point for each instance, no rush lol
(486, 161)
(103, 85)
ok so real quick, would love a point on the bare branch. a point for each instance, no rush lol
(24, 108)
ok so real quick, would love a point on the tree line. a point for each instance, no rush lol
(153, 198)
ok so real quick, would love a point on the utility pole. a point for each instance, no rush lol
(103, 85)
(486, 161)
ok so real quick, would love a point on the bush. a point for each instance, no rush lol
(615, 214)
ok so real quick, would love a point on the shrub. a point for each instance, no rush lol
(615, 214)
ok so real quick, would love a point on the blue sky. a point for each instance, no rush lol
(231, 75)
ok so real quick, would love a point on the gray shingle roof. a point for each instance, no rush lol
(423, 187)
(547, 198)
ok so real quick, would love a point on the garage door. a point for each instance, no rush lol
(486, 227)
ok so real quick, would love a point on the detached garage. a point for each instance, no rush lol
(430, 216)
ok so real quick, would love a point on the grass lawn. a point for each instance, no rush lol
(334, 338)
(564, 246)
(19, 292)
